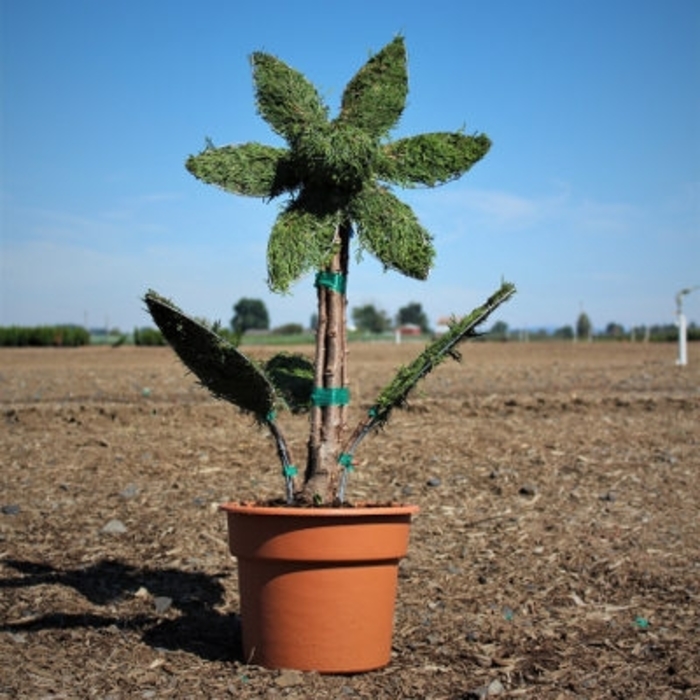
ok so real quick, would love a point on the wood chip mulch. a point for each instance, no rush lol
(556, 554)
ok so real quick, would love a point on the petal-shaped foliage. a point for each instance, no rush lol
(250, 169)
(218, 364)
(430, 159)
(395, 394)
(375, 98)
(285, 98)
(389, 229)
(293, 377)
(300, 241)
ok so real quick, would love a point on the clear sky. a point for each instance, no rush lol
(589, 199)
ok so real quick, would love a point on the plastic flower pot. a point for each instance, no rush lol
(318, 585)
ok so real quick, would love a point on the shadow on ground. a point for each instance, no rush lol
(198, 629)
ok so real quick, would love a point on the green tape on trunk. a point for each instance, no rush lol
(331, 280)
(335, 396)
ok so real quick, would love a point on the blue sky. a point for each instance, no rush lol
(589, 199)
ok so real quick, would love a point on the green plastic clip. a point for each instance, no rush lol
(345, 460)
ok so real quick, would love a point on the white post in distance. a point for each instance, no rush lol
(682, 327)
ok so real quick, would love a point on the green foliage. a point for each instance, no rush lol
(331, 169)
(286, 100)
(336, 177)
(413, 314)
(333, 162)
(148, 337)
(289, 329)
(299, 243)
(250, 314)
(564, 333)
(248, 169)
(370, 320)
(389, 229)
(231, 336)
(499, 331)
(219, 366)
(44, 336)
(374, 99)
(669, 332)
(293, 375)
(431, 159)
(584, 327)
(395, 394)
(615, 330)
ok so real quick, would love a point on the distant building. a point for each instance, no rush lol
(409, 329)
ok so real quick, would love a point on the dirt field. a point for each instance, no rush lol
(556, 555)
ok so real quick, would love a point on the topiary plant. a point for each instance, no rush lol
(336, 177)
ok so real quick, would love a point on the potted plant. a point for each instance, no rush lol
(296, 556)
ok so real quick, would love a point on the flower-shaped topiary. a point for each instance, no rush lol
(336, 176)
(333, 171)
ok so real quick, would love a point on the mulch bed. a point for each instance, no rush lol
(556, 554)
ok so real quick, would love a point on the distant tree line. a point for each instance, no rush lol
(43, 336)
(252, 315)
(584, 332)
(148, 337)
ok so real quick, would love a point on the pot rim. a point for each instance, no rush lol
(360, 510)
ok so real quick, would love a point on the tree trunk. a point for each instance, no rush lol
(328, 413)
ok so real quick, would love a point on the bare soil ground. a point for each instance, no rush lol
(556, 554)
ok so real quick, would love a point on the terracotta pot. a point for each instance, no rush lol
(318, 585)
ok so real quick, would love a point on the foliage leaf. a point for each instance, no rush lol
(376, 96)
(396, 393)
(431, 159)
(251, 169)
(300, 241)
(389, 229)
(220, 367)
(285, 98)
(293, 377)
